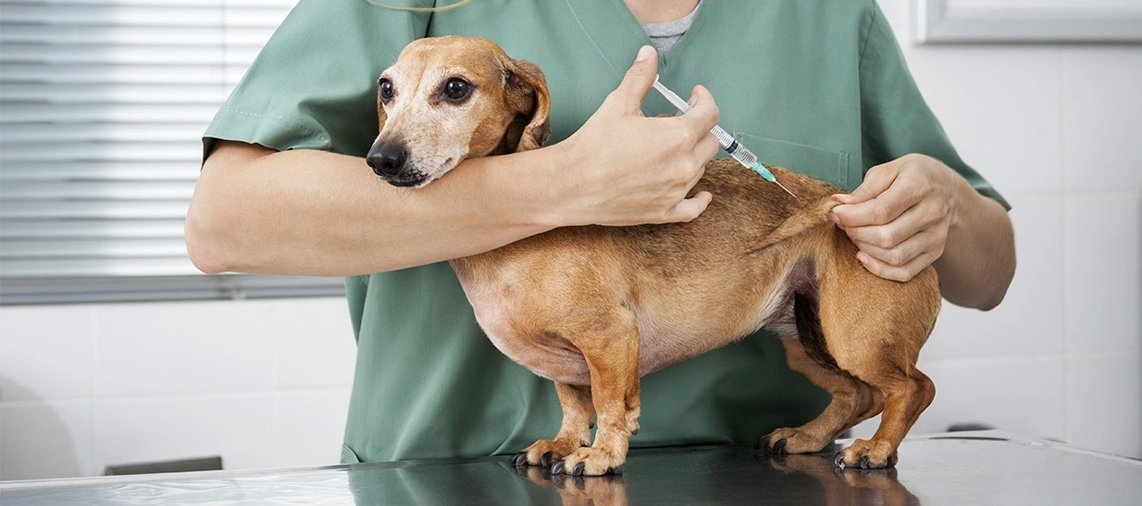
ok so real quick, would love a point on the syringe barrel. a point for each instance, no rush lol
(727, 141)
(731, 145)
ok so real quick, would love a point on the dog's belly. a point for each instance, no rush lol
(554, 357)
(666, 336)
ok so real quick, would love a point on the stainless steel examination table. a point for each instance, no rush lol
(963, 468)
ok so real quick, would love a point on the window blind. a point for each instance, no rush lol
(102, 106)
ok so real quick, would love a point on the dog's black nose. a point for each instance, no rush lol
(387, 158)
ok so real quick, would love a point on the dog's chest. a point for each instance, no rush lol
(497, 305)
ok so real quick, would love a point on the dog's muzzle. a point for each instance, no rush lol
(387, 158)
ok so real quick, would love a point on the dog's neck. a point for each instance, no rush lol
(509, 143)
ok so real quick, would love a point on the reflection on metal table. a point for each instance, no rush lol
(988, 467)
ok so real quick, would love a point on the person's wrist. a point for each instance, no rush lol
(557, 188)
(964, 198)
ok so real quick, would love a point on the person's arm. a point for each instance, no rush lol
(915, 211)
(310, 212)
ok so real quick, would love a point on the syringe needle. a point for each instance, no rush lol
(786, 189)
(727, 141)
(768, 176)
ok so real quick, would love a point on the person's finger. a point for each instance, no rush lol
(902, 273)
(638, 79)
(689, 208)
(703, 114)
(707, 148)
(876, 181)
(894, 200)
(902, 253)
(889, 235)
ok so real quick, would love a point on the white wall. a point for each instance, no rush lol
(1058, 130)
(261, 383)
(265, 383)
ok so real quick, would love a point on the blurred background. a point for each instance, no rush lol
(113, 350)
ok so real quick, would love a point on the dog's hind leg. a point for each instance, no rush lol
(574, 432)
(881, 348)
(907, 393)
(853, 401)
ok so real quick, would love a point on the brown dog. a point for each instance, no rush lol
(651, 296)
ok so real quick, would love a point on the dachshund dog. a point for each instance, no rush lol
(594, 308)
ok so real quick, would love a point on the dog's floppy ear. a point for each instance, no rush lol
(527, 94)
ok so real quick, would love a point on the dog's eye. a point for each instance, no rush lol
(456, 90)
(386, 87)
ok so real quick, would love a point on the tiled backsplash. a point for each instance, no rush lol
(266, 383)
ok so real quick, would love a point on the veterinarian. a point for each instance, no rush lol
(819, 86)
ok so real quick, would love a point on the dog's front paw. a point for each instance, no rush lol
(867, 455)
(546, 452)
(783, 441)
(590, 462)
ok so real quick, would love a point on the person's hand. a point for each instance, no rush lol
(899, 217)
(631, 169)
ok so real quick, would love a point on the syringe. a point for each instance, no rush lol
(727, 141)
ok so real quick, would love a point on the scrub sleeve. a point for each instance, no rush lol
(818, 86)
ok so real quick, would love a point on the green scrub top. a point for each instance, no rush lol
(818, 86)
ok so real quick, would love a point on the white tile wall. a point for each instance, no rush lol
(302, 439)
(1103, 276)
(1102, 395)
(315, 345)
(1102, 118)
(1036, 290)
(29, 336)
(1000, 108)
(266, 383)
(45, 439)
(239, 427)
(1019, 395)
(151, 349)
(260, 383)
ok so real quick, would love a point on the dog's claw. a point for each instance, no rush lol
(557, 467)
(545, 460)
(520, 459)
(580, 468)
(618, 469)
(864, 464)
(762, 444)
(777, 449)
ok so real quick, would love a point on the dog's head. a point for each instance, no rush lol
(447, 99)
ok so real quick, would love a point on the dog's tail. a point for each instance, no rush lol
(803, 219)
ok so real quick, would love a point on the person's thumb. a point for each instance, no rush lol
(639, 78)
(876, 181)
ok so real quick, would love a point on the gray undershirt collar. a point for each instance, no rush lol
(663, 36)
